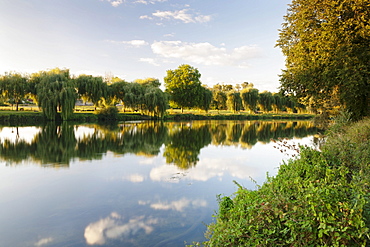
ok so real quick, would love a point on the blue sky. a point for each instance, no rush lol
(229, 42)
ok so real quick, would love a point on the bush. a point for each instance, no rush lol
(108, 114)
(319, 199)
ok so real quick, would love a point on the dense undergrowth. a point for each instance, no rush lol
(321, 198)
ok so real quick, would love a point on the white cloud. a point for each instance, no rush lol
(115, 3)
(206, 53)
(112, 227)
(150, 2)
(149, 60)
(181, 15)
(44, 241)
(135, 42)
(135, 178)
(179, 205)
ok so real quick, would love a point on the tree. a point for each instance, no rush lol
(265, 101)
(155, 101)
(205, 99)
(234, 101)
(14, 87)
(134, 95)
(219, 100)
(278, 102)
(250, 99)
(92, 89)
(326, 44)
(148, 82)
(56, 91)
(184, 86)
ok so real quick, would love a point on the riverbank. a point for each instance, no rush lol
(321, 198)
(36, 117)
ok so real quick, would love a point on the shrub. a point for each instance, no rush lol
(319, 199)
(108, 114)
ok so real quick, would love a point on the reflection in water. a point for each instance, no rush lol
(112, 227)
(59, 145)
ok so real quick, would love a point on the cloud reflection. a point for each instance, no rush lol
(178, 205)
(44, 241)
(112, 227)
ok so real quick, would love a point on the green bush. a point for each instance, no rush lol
(108, 114)
(319, 199)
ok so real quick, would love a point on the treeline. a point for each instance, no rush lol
(58, 144)
(57, 91)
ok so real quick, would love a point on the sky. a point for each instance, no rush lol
(229, 42)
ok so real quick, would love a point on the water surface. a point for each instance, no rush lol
(130, 184)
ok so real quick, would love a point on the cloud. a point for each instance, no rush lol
(112, 227)
(206, 53)
(135, 178)
(150, 2)
(151, 61)
(115, 3)
(135, 42)
(44, 241)
(178, 205)
(181, 15)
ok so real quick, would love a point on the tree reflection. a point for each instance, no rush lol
(185, 144)
(58, 145)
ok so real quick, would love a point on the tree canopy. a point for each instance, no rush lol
(184, 86)
(327, 49)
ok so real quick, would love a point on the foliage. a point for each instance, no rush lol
(92, 89)
(318, 199)
(250, 99)
(14, 86)
(108, 113)
(184, 86)
(234, 101)
(56, 90)
(265, 101)
(326, 44)
(205, 99)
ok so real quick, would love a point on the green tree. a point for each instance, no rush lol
(277, 103)
(234, 101)
(149, 82)
(205, 99)
(14, 87)
(326, 44)
(155, 101)
(134, 96)
(265, 101)
(184, 86)
(91, 88)
(56, 91)
(250, 99)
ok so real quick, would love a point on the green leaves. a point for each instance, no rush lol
(327, 54)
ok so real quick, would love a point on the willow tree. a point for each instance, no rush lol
(155, 101)
(327, 49)
(56, 91)
(250, 99)
(14, 87)
(91, 88)
(134, 96)
(265, 101)
(205, 99)
(277, 102)
(234, 101)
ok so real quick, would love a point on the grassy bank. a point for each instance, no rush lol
(88, 115)
(321, 198)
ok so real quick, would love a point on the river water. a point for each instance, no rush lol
(132, 183)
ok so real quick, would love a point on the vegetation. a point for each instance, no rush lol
(321, 198)
(326, 44)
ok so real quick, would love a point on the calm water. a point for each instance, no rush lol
(131, 184)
